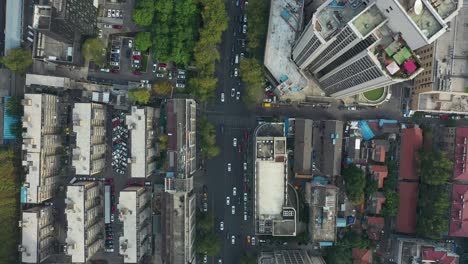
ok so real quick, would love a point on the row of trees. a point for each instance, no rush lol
(257, 14)
(18, 60)
(252, 74)
(208, 138)
(171, 28)
(435, 169)
(355, 182)
(207, 241)
(341, 253)
(9, 204)
(205, 52)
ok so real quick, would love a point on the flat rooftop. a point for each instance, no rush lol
(136, 123)
(128, 215)
(29, 239)
(271, 181)
(53, 50)
(425, 20)
(444, 102)
(368, 20)
(284, 24)
(75, 214)
(82, 127)
(333, 17)
(323, 218)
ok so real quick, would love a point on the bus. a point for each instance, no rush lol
(107, 201)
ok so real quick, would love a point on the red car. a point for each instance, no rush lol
(114, 70)
(109, 180)
(246, 135)
(164, 65)
(444, 117)
(117, 26)
(113, 209)
(136, 57)
(136, 72)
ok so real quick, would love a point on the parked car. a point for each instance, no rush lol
(221, 226)
(234, 191)
(234, 142)
(130, 43)
(233, 92)
(107, 26)
(117, 26)
(222, 97)
(237, 95)
(155, 67)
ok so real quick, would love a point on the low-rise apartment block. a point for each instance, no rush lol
(140, 122)
(135, 213)
(89, 120)
(84, 214)
(289, 256)
(42, 143)
(37, 237)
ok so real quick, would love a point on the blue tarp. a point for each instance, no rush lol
(320, 180)
(387, 121)
(285, 14)
(286, 126)
(8, 121)
(350, 220)
(283, 78)
(169, 174)
(366, 131)
(325, 244)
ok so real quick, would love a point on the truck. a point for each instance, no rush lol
(107, 204)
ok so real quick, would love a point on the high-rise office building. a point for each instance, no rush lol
(353, 46)
(42, 142)
(61, 19)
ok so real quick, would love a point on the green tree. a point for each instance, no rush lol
(205, 223)
(93, 49)
(7, 153)
(203, 87)
(257, 14)
(162, 88)
(252, 74)
(208, 244)
(18, 60)
(17, 129)
(208, 138)
(143, 14)
(14, 107)
(143, 41)
(372, 186)
(355, 182)
(433, 205)
(435, 167)
(390, 207)
(248, 259)
(139, 95)
(163, 139)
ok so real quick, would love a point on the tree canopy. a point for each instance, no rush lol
(93, 49)
(143, 13)
(208, 138)
(18, 60)
(355, 182)
(433, 205)
(252, 74)
(162, 88)
(390, 207)
(139, 95)
(143, 41)
(248, 259)
(341, 252)
(435, 167)
(14, 107)
(207, 241)
(257, 14)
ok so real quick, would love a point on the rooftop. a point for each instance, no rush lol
(367, 21)
(140, 132)
(424, 19)
(75, 219)
(284, 24)
(334, 16)
(443, 102)
(35, 224)
(47, 80)
(42, 17)
(322, 202)
(362, 256)
(406, 219)
(379, 174)
(458, 214)
(460, 165)
(411, 142)
(375, 226)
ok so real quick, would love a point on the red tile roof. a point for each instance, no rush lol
(411, 142)
(362, 256)
(375, 225)
(441, 257)
(460, 168)
(458, 215)
(406, 220)
(379, 154)
(379, 174)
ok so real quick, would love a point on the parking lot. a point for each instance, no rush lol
(119, 143)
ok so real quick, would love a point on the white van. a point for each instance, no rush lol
(237, 59)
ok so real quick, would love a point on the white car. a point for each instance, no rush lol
(234, 142)
(245, 197)
(107, 26)
(221, 226)
(130, 43)
(180, 85)
(253, 241)
(237, 95)
(109, 13)
(233, 209)
(236, 72)
(228, 200)
(229, 167)
(244, 29)
(154, 67)
(222, 97)
(234, 191)
(205, 258)
(220, 261)
(245, 166)
(233, 239)
(233, 92)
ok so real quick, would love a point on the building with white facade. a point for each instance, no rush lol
(350, 47)
(37, 234)
(89, 120)
(273, 215)
(288, 256)
(135, 213)
(84, 213)
(140, 123)
(42, 144)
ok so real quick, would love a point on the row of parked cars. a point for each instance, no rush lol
(115, 13)
(119, 143)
